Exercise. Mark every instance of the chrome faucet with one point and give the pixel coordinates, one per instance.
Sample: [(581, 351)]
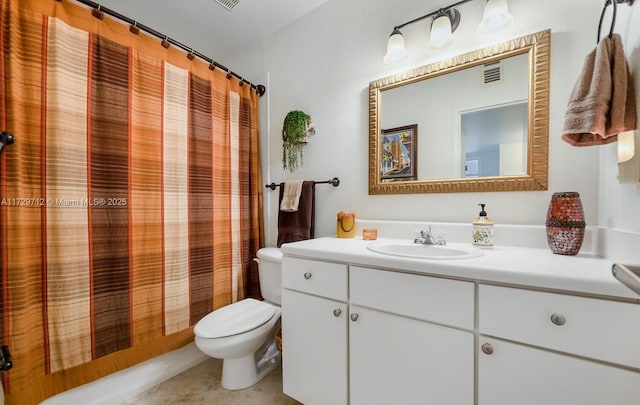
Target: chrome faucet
[(426, 237)]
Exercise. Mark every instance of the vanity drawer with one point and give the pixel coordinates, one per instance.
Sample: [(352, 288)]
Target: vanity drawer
[(432, 299), (596, 328), (315, 277)]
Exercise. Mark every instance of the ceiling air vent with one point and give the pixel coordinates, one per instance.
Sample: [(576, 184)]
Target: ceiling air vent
[(492, 72), (228, 4)]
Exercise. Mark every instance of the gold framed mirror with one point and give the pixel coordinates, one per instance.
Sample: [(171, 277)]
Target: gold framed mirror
[(490, 134)]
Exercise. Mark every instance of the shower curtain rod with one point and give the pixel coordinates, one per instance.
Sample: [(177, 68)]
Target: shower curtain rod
[(98, 9)]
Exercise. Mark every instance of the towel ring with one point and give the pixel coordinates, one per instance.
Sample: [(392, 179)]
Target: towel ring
[(613, 18)]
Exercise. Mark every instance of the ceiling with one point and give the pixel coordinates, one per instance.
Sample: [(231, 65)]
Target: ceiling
[(210, 28)]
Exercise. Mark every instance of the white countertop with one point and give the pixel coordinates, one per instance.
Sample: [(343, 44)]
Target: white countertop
[(530, 267)]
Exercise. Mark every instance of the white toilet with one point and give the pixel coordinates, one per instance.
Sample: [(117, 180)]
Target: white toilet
[(243, 334)]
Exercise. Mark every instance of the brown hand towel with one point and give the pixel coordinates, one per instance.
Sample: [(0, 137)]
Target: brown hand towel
[(602, 103), (623, 113), (298, 225)]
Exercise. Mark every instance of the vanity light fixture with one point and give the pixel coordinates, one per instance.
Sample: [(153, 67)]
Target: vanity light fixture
[(495, 16), (445, 21), (395, 47), (443, 25)]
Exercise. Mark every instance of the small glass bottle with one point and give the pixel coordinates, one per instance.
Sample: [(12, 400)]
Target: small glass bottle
[(483, 229)]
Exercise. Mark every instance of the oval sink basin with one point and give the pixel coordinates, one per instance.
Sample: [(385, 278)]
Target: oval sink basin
[(419, 251)]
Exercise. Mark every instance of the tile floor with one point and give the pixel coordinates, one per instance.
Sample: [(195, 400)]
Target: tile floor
[(200, 385)]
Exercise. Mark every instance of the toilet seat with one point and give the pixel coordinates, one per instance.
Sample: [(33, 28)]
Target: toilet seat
[(234, 319)]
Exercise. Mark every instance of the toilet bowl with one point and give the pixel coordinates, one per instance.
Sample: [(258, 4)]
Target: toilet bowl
[(242, 334)]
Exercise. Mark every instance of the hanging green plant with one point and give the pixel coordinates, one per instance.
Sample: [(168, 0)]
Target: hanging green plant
[(295, 130)]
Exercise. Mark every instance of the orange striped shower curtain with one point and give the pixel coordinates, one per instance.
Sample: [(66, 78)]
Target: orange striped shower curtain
[(130, 202)]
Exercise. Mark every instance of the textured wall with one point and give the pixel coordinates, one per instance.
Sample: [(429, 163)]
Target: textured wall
[(324, 62)]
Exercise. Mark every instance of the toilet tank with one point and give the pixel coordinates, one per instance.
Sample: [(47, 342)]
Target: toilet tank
[(270, 273)]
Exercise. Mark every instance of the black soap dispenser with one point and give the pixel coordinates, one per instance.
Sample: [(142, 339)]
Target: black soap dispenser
[(483, 229)]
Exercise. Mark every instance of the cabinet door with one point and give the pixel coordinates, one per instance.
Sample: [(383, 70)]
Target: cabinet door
[(516, 374), (397, 360), (314, 349)]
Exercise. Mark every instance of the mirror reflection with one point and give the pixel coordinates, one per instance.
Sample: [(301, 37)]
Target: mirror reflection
[(494, 140), (476, 122)]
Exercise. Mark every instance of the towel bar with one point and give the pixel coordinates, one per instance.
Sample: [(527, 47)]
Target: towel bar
[(335, 182), (627, 275)]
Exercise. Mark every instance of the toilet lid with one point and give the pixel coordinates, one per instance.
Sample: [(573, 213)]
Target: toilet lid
[(233, 319)]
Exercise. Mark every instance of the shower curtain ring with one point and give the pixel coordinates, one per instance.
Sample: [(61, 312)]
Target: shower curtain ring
[(97, 13), (134, 28), (165, 42)]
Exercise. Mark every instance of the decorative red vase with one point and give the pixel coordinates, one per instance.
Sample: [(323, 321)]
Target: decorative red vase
[(565, 223)]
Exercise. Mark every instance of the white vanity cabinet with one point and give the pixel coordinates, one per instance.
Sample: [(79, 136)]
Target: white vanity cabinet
[(314, 331), (514, 326), (402, 349), (389, 338), (554, 349)]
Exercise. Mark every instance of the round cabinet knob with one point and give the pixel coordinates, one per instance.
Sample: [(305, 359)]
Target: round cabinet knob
[(558, 319), (337, 312), (307, 276), (487, 348), (354, 317)]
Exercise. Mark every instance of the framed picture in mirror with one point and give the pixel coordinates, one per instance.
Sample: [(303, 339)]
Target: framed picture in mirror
[(398, 160)]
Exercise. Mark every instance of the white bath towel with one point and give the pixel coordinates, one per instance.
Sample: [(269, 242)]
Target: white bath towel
[(291, 196)]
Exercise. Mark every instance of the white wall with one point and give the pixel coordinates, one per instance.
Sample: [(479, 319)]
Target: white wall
[(620, 203), (323, 64)]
